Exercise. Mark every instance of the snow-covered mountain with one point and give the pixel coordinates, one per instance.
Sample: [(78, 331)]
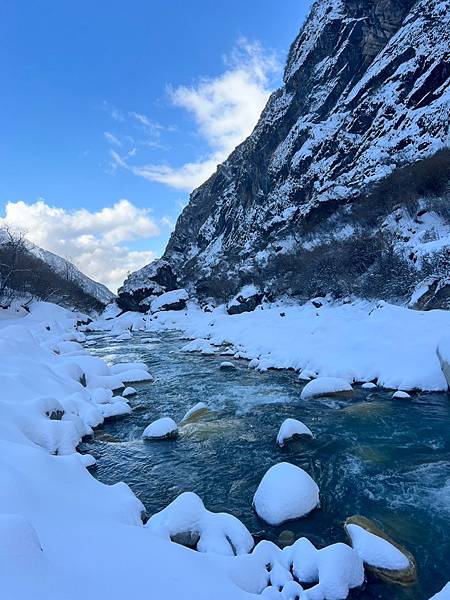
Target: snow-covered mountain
[(65, 268), (353, 146), (28, 270)]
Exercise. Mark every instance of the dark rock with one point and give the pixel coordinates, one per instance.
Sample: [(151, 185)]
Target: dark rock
[(241, 304)]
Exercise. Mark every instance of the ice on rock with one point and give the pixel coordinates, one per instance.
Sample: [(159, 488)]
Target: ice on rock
[(376, 551), (369, 386), (323, 386), (187, 521), (401, 394), (129, 391), (164, 428), (285, 492), (291, 428)]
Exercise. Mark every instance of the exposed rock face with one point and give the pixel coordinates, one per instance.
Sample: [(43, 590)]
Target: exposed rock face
[(365, 96), (141, 287)]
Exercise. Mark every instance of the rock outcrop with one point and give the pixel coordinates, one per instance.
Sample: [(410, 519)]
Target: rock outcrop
[(306, 204)]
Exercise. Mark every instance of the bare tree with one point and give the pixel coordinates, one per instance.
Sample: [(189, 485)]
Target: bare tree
[(12, 250)]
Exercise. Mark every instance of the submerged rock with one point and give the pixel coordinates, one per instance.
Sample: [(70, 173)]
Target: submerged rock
[(161, 429), (286, 538), (382, 556)]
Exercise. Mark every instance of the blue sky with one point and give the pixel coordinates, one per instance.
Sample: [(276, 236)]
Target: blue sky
[(113, 111)]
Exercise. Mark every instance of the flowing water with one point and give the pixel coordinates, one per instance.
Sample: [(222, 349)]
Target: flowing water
[(388, 460)]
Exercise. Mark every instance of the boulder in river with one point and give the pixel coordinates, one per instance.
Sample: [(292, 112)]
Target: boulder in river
[(194, 413), (161, 429), (326, 386), (226, 365), (285, 492), (291, 428), (382, 556)]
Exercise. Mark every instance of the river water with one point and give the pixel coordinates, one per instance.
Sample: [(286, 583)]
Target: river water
[(388, 460)]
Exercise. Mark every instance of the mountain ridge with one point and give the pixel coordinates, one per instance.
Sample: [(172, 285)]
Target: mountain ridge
[(365, 94)]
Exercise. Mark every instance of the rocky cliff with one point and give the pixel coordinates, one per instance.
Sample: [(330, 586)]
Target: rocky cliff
[(343, 185)]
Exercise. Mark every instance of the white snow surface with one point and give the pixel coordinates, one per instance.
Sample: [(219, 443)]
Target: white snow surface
[(361, 341), (160, 428), (291, 427), (63, 534), (376, 551), (323, 386), (217, 533), (285, 492)]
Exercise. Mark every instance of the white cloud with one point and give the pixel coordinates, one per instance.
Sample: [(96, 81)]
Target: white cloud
[(112, 139), (94, 241), (225, 110)]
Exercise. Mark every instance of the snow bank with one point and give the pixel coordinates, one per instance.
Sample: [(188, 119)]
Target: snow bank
[(290, 428), (164, 428), (63, 534), (188, 521), (285, 492), (360, 341), (322, 386)]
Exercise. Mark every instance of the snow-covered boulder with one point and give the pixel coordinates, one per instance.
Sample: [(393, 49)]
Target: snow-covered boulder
[(335, 569), (246, 300), (325, 386), (285, 492), (381, 555), (291, 428), (369, 385), (164, 428), (187, 521), (401, 394), (174, 300), (194, 413), (129, 391), (226, 365)]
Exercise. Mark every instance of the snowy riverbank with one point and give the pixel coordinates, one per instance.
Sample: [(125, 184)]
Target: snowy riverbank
[(64, 535), (361, 341)]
